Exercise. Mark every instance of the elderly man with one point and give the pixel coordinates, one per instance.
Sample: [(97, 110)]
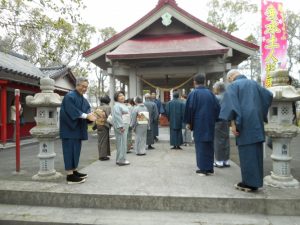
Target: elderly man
[(153, 115), (246, 104), (74, 113)]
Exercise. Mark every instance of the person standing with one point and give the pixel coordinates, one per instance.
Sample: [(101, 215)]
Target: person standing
[(175, 114), (130, 104), (160, 111), (121, 121), (139, 124), (187, 133), (246, 104), (221, 141), (75, 111), (13, 116), (103, 128), (153, 115), (201, 112)]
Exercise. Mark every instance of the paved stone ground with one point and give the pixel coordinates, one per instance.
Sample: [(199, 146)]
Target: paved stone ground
[(153, 181), (30, 163)]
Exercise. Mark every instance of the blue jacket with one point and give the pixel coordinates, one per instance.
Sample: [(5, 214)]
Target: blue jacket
[(70, 124), (246, 102), (201, 112)]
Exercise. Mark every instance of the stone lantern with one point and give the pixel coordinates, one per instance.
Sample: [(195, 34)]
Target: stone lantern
[(281, 130), (46, 130)]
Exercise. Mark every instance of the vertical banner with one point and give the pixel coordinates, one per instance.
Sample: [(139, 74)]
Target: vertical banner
[(274, 39)]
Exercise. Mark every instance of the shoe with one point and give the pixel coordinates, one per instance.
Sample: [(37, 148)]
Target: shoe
[(141, 154), (201, 173), (218, 165), (150, 147), (81, 175), (155, 139), (178, 147), (73, 179), (173, 147), (129, 151), (104, 158), (243, 187), (210, 172), (125, 163)]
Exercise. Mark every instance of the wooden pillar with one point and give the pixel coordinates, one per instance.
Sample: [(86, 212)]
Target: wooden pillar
[(3, 84)]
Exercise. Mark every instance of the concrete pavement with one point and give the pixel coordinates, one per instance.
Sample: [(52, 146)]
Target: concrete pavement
[(159, 186)]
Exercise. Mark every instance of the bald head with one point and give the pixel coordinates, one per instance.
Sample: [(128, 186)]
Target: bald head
[(232, 74)]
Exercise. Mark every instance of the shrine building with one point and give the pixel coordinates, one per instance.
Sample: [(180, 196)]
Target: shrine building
[(165, 49), (16, 72)]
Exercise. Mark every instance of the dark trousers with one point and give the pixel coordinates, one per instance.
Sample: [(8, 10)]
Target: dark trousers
[(251, 163), (205, 155), (71, 151)]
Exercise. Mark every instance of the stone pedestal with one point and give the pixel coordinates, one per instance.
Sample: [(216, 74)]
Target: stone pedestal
[(281, 130), (281, 138), (46, 129)]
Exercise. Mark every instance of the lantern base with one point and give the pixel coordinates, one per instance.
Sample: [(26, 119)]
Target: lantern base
[(51, 176), (281, 182)]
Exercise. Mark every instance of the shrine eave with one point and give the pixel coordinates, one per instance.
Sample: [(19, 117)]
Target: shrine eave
[(183, 45), (92, 53)]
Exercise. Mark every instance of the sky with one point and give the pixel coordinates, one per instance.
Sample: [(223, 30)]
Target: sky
[(120, 14)]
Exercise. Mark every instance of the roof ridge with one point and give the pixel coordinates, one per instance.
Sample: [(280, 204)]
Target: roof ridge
[(162, 2)]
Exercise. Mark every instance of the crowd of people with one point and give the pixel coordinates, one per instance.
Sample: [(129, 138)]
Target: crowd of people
[(206, 114)]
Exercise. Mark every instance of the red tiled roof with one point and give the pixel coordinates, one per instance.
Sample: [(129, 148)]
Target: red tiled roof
[(173, 4), (167, 46)]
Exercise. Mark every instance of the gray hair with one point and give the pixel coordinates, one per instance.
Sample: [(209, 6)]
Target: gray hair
[(147, 96), (80, 80), (232, 72), (220, 86), (138, 100)]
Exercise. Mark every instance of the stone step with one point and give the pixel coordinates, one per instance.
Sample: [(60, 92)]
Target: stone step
[(248, 204), (33, 215)]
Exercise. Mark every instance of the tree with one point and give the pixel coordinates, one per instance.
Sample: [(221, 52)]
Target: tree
[(228, 15), (293, 30), (98, 87), (47, 40)]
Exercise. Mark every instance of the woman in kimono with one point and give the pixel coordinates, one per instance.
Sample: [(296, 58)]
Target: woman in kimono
[(121, 120), (221, 140), (130, 104), (103, 128), (140, 124)]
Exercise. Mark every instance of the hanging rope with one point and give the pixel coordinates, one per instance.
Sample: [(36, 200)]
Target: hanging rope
[(167, 89)]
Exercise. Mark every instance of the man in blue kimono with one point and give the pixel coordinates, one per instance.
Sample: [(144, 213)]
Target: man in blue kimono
[(153, 115), (74, 113), (246, 105), (201, 112), (160, 110), (175, 114)]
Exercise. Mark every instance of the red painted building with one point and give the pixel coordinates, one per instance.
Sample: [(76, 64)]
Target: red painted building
[(17, 73)]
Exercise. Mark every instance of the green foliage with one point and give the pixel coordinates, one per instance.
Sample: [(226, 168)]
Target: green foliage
[(227, 15), (49, 32), (293, 30), (107, 33)]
